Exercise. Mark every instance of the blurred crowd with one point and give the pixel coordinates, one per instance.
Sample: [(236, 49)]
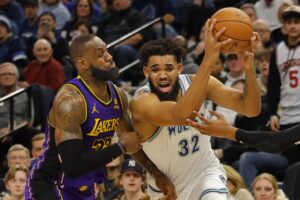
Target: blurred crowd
[(35, 36)]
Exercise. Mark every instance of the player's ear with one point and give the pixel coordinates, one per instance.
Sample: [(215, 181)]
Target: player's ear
[(146, 71), (81, 63), (179, 68)]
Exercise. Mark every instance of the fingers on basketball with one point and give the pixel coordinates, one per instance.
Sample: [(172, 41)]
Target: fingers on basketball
[(238, 28)]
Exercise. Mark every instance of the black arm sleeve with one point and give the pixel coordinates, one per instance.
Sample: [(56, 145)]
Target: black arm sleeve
[(274, 83), (75, 161), (268, 141)]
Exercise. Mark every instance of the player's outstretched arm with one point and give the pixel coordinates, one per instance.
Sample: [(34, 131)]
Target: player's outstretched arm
[(148, 107), (267, 141), (247, 102), (67, 114)]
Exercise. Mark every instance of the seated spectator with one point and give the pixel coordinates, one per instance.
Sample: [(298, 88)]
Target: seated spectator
[(29, 24), (83, 12), (36, 146), (12, 48), (250, 10), (17, 154), (121, 20), (13, 11), (133, 181), (9, 83), (15, 181), (265, 187), (236, 185), (60, 12), (110, 189), (44, 70), (153, 9), (46, 30), (188, 64), (262, 27)]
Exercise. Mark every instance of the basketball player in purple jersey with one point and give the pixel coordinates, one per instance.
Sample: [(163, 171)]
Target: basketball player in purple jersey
[(81, 123)]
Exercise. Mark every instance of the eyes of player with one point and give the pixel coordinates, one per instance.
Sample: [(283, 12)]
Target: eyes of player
[(167, 68)]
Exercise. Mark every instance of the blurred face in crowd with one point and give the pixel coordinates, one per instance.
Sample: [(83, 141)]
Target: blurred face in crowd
[(18, 157), (47, 19), (16, 185), (31, 11), (263, 65), (234, 65), (83, 8), (264, 190), (8, 76), (37, 147), (3, 31), (119, 5), (42, 50), (263, 29), (250, 12), (131, 181), (292, 27)]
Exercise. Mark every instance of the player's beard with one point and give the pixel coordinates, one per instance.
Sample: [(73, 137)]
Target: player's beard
[(103, 75), (171, 96)]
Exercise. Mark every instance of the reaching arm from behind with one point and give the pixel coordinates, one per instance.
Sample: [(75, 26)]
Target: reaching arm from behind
[(267, 141)]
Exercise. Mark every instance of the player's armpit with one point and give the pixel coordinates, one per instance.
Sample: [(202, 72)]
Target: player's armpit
[(67, 114)]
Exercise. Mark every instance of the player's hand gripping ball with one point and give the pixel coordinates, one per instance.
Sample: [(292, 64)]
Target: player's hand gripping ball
[(238, 27)]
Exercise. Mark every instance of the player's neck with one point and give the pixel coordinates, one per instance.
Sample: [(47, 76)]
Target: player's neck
[(98, 87)]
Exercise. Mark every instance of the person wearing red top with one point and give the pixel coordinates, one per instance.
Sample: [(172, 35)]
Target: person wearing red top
[(44, 70)]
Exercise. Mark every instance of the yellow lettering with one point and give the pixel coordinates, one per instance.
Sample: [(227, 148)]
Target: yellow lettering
[(92, 133), (103, 126)]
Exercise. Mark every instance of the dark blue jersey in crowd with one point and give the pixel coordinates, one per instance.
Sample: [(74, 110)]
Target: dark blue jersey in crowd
[(98, 129)]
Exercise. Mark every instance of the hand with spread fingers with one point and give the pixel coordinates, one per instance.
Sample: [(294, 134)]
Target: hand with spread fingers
[(214, 127), (212, 43)]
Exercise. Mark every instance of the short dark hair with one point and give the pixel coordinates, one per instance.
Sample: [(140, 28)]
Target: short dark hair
[(160, 47), (78, 44)]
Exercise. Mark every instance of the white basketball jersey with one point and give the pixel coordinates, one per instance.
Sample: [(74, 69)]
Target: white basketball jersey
[(288, 62), (180, 152)]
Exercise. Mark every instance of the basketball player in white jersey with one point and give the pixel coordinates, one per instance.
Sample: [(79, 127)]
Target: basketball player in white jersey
[(159, 111)]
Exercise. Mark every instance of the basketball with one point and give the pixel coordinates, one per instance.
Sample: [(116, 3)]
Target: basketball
[(238, 27)]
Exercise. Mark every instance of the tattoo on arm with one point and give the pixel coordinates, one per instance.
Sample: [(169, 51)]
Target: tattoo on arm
[(67, 114)]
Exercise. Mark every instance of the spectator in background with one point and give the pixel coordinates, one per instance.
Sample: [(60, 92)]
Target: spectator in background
[(196, 16), (12, 10), (268, 10), (236, 186), (262, 27), (9, 83), (61, 13), (133, 181), (29, 24), (188, 64), (153, 9), (46, 30), (249, 9), (44, 70), (121, 20), (83, 12), (36, 146), (18, 154), (12, 48), (279, 34), (15, 181), (265, 187)]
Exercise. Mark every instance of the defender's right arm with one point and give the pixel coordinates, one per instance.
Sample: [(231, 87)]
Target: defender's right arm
[(67, 114)]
